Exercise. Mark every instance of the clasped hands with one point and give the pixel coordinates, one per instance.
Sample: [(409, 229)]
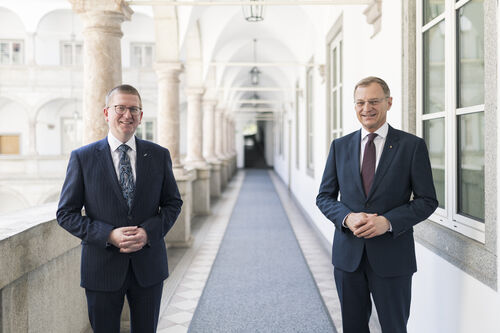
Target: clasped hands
[(128, 239), (364, 225)]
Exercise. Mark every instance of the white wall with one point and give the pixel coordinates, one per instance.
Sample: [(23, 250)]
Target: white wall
[(445, 299)]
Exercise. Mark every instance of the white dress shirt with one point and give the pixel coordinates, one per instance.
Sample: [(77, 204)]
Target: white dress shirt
[(379, 142), (114, 143)]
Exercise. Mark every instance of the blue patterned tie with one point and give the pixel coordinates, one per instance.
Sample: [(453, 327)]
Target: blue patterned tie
[(126, 176)]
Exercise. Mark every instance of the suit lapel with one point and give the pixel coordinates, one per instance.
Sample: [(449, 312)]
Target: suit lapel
[(353, 160), (143, 163), (390, 149), (103, 153)]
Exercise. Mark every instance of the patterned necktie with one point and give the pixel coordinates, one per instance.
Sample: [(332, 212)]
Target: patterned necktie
[(126, 176), (368, 167)]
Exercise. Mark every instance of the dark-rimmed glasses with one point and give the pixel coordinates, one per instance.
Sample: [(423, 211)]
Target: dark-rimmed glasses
[(121, 109)]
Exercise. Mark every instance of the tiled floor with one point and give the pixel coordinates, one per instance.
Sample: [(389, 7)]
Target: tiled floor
[(176, 314), (192, 271)]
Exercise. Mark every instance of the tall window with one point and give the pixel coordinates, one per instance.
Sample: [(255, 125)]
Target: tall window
[(335, 88), (310, 119), (450, 108), (142, 55), (146, 130), (11, 52), (71, 53)]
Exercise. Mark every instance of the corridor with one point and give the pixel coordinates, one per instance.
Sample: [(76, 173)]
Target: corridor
[(257, 265)]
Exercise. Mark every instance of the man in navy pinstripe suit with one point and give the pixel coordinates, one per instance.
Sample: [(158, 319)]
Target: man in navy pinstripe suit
[(131, 201)]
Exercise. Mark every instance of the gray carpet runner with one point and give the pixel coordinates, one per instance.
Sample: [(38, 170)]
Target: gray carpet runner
[(260, 281)]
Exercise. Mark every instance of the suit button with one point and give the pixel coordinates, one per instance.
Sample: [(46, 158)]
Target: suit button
[(367, 205), (129, 218)]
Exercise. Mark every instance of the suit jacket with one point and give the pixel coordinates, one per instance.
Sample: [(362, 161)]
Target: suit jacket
[(404, 170), (91, 182)]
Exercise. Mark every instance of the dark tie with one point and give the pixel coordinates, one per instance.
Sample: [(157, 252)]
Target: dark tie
[(126, 176), (368, 167)]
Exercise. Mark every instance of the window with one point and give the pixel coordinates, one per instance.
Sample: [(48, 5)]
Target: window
[(451, 106), (9, 144), (310, 120), (146, 130), (11, 52), (71, 53), (335, 89), (142, 55)]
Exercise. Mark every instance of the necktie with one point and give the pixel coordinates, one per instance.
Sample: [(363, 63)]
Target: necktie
[(368, 167), (126, 176)]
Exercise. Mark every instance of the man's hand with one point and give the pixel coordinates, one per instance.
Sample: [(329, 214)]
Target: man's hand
[(128, 239), (367, 225)]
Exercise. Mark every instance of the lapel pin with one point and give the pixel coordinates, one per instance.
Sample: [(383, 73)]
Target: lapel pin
[(390, 146), (145, 155)]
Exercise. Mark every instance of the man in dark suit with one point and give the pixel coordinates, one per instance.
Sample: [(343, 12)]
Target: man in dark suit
[(384, 179), (131, 201)]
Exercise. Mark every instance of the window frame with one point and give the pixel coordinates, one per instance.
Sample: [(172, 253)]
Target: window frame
[(22, 53), (142, 131), (73, 44), (447, 216), (141, 63), (310, 119)]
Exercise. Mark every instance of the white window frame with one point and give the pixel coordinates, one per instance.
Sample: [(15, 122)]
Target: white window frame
[(76, 59), (21, 56), (143, 129), (142, 63), (448, 217), (310, 119), (335, 84), (297, 126)]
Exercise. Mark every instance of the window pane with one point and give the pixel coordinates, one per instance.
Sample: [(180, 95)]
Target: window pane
[(148, 58), (434, 138), (471, 165), (136, 58), (432, 8), (149, 130), (17, 53), (78, 54), (340, 62), (66, 54), (4, 53), (334, 67), (470, 48), (138, 132), (433, 67)]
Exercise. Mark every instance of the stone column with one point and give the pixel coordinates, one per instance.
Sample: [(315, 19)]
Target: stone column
[(194, 127), (194, 159), (209, 146), (168, 118), (168, 129), (102, 66)]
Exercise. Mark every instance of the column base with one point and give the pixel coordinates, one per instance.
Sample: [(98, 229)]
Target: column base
[(201, 189), (215, 179), (180, 234)]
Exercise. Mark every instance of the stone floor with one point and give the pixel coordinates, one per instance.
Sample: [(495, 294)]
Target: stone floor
[(191, 267)]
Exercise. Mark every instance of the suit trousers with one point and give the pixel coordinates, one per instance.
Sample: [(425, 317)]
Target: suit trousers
[(105, 308), (391, 295)]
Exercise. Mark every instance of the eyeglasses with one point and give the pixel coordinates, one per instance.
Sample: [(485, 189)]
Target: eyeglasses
[(371, 102), (121, 109)]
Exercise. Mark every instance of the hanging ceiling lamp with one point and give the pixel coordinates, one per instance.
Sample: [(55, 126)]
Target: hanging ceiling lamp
[(254, 72), (253, 13)]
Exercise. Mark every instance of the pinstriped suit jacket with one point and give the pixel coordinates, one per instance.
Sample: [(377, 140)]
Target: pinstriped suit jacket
[(91, 182)]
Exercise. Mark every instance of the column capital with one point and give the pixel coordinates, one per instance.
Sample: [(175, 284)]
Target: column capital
[(113, 6), (169, 70), (194, 91)]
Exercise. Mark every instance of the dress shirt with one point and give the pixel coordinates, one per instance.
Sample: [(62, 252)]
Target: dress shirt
[(379, 142), (114, 143)]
